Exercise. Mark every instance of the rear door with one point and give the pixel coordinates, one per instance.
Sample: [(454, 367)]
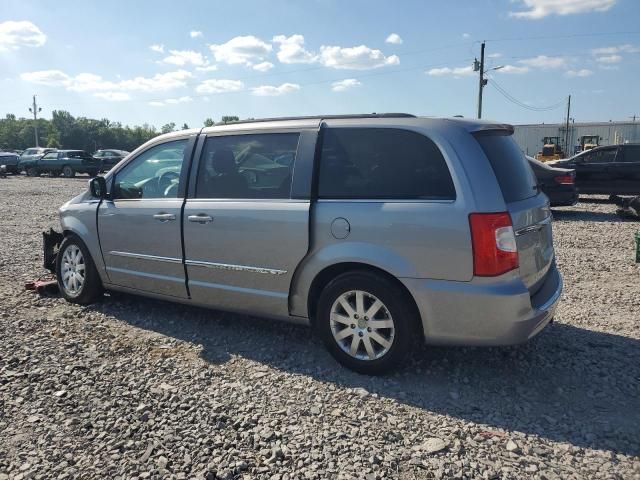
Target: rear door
[(528, 207), (139, 227), (626, 170), (593, 170), (246, 220)]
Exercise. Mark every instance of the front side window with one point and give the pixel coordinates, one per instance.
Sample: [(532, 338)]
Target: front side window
[(155, 173), (382, 163), (631, 154), (247, 166), (606, 155)]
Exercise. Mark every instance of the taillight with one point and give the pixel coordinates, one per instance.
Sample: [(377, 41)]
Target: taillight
[(564, 179), (494, 244)]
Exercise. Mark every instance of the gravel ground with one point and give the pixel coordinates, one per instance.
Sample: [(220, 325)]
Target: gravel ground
[(136, 388)]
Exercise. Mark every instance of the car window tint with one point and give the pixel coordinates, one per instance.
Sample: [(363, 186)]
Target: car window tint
[(247, 166), (155, 173), (515, 177), (631, 154), (382, 163), (604, 155)]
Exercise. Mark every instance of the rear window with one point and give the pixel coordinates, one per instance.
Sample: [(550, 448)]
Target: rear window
[(515, 177), (382, 163)]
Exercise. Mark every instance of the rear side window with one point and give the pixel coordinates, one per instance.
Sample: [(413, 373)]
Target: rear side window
[(631, 154), (382, 163), (515, 177)]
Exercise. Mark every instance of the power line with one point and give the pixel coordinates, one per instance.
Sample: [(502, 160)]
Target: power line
[(515, 101)]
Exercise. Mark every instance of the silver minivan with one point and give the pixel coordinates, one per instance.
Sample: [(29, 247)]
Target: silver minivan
[(377, 230)]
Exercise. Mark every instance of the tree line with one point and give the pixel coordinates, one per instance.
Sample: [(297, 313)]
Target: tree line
[(64, 130)]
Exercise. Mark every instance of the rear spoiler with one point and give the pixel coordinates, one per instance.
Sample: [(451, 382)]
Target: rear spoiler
[(493, 129)]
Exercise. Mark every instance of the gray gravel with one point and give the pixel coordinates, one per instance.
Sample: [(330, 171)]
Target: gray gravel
[(136, 388)]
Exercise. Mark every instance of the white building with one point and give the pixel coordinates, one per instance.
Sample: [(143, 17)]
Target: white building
[(530, 137)]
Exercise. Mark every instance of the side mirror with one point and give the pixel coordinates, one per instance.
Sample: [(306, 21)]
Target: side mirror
[(98, 187)]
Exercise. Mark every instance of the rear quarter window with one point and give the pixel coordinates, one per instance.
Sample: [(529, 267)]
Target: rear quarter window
[(382, 163), (515, 177)]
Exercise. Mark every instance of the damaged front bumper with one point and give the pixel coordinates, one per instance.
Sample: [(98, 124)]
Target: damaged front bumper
[(51, 241)]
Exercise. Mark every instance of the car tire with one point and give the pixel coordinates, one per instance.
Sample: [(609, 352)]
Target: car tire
[(68, 172), (378, 348), (77, 276), (32, 172)]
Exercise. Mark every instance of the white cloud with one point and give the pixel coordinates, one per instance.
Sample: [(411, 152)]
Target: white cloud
[(263, 67), (466, 35), (195, 34), (291, 49), (185, 57), (157, 48), (89, 82), (345, 84), (513, 69), (626, 48), (394, 39), (113, 96), (584, 72), (272, 91), (543, 62), (243, 50), (50, 78), (207, 68), (494, 55), (456, 72), (355, 58), (609, 67), (537, 9), (219, 86), (14, 35), (609, 59), (170, 101)]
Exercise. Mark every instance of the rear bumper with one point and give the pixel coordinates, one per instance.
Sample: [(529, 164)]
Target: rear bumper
[(483, 312), (563, 197)]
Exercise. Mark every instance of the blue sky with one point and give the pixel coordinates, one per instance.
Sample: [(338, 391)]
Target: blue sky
[(158, 62)]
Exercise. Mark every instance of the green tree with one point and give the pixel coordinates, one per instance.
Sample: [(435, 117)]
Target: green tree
[(185, 126), (169, 127), (229, 118), (209, 122)]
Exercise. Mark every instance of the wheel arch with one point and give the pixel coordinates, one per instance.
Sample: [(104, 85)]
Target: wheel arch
[(322, 279)]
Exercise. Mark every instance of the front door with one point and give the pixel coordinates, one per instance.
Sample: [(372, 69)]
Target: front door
[(244, 234), (626, 170), (139, 226), (593, 173)]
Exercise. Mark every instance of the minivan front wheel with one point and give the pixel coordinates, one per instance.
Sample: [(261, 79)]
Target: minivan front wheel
[(366, 322), (78, 279)]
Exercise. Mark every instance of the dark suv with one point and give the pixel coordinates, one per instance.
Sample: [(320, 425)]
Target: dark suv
[(610, 170)]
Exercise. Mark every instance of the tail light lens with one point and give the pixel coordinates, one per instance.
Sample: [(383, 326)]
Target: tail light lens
[(564, 179), (494, 244)]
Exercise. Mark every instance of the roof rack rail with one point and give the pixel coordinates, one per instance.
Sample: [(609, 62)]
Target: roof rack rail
[(325, 117)]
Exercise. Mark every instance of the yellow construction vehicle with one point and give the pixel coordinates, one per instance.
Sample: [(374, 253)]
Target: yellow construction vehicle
[(587, 142), (551, 150)]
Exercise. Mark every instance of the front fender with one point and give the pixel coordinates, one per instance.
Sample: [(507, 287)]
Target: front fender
[(80, 219)]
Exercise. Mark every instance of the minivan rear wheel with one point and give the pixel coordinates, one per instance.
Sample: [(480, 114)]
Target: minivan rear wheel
[(68, 172), (366, 322)]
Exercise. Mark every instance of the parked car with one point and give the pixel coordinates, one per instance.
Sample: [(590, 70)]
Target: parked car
[(10, 160), (557, 183), (31, 154), (65, 162), (109, 158), (388, 229), (608, 170)]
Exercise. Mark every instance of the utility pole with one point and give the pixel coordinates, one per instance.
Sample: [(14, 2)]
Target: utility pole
[(35, 110), (479, 67), (566, 133)]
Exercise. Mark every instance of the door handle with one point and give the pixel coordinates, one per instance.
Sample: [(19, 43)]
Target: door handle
[(200, 218), (164, 217)]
